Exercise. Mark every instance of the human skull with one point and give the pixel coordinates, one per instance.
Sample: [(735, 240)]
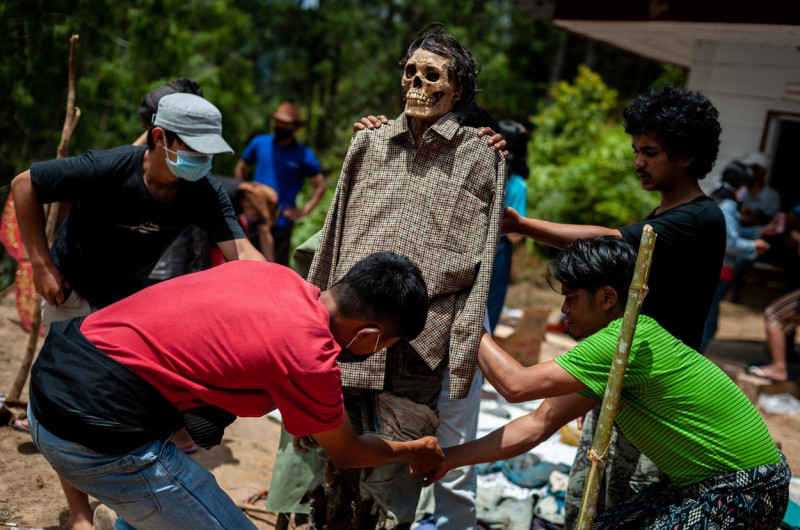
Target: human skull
[(430, 93)]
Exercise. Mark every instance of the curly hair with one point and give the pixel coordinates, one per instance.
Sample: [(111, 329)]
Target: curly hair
[(686, 121), (593, 263), (463, 66)]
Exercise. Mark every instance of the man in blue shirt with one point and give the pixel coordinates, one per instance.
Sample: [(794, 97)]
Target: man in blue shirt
[(283, 163)]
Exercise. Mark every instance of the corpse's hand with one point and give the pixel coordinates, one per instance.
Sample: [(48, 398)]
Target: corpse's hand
[(426, 456), (303, 444)]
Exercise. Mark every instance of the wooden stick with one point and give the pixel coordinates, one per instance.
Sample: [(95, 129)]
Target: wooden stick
[(608, 410), (70, 122), (73, 113)]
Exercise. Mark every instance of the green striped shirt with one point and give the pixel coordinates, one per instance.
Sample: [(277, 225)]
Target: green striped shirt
[(677, 407)]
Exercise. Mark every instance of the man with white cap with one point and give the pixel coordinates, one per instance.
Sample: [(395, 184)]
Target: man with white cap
[(760, 202), (128, 204), (283, 164)]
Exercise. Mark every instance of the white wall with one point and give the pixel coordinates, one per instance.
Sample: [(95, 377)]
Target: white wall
[(744, 81)]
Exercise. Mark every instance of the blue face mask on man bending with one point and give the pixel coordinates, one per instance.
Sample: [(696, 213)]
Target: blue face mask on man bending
[(189, 166)]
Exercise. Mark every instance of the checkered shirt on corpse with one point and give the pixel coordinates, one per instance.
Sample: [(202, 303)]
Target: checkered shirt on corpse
[(440, 204)]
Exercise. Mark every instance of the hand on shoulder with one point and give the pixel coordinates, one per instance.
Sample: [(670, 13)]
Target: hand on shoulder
[(370, 122)]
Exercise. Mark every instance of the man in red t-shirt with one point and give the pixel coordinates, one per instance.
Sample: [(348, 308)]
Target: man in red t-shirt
[(108, 390)]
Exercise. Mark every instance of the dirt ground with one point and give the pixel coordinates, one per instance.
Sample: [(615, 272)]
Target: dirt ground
[(30, 496)]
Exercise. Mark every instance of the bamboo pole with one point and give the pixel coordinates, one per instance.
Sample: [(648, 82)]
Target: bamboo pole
[(70, 122), (608, 410)]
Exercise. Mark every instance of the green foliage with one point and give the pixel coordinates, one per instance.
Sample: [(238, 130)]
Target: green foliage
[(339, 59), (123, 52), (581, 161), (671, 75), (308, 226), (578, 113)]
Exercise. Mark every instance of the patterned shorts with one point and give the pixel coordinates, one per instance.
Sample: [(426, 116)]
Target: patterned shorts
[(751, 499), (785, 312)]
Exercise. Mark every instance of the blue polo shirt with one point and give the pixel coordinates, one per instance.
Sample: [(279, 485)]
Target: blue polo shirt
[(282, 168)]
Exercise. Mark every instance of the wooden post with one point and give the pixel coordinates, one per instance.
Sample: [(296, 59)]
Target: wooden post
[(70, 122), (608, 410)]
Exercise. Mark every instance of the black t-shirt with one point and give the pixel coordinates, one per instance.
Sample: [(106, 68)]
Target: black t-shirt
[(81, 394), (116, 231), (687, 261)]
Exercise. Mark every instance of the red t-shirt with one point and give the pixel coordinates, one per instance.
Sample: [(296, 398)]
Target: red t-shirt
[(246, 336)]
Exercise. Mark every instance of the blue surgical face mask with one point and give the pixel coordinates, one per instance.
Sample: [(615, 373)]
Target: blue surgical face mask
[(190, 166)]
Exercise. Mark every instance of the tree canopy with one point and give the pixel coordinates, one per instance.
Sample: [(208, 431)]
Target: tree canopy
[(581, 159), (339, 59)]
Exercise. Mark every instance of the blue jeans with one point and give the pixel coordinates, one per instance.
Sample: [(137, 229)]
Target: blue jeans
[(155, 486)]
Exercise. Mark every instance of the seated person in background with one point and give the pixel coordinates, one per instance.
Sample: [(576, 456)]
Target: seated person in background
[(760, 202), (781, 319), (742, 245), (671, 403), (782, 316), (108, 390)]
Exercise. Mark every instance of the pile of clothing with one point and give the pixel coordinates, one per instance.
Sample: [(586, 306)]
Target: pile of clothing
[(522, 493), (528, 491)]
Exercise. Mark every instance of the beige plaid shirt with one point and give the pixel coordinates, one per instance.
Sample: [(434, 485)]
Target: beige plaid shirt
[(440, 204)]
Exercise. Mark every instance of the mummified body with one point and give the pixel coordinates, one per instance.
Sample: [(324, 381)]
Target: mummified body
[(425, 187)]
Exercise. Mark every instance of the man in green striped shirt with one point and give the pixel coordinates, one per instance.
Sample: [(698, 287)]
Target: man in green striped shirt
[(676, 406)]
